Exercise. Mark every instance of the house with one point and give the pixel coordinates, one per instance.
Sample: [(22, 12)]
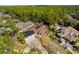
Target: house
[(68, 33), (41, 30), (35, 44), (1, 13), (4, 15), (24, 26), (72, 20), (15, 20)]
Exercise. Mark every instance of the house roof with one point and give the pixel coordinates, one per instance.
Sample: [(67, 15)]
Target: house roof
[(68, 33), (41, 29), (4, 15), (72, 19), (1, 13), (15, 20), (24, 25)]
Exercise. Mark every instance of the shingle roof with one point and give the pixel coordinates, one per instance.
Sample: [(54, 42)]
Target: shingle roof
[(68, 33), (23, 25), (42, 29)]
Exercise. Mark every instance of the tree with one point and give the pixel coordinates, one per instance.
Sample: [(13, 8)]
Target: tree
[(21, 37), (6, 44)]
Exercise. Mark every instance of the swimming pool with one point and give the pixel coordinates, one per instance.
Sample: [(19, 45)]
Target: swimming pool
[(28, 33)]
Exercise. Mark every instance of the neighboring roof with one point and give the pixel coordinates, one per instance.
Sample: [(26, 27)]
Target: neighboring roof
[(70, 19), (68, 33), (1, 13), (34, 43), (4, 15), (15, 20), (24, 25)]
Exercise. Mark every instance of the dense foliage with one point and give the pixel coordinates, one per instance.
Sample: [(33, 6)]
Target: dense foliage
[(47, 14)]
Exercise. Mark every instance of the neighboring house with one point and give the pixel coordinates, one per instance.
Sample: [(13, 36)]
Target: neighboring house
[(35, 44), (41, 30), (24, 26), (72, 20), (68, 33), (4, 15), (1, 13), (15, 20)]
